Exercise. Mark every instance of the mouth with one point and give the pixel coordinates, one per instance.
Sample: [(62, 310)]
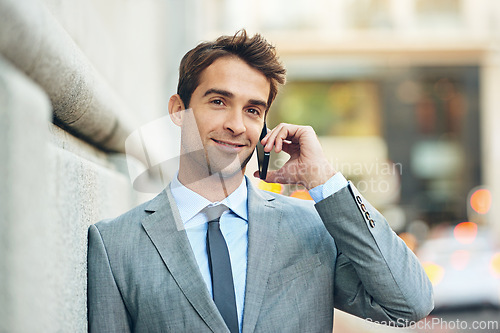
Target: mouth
[(228, 144)]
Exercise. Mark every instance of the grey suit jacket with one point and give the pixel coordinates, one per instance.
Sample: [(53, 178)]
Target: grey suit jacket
[(303, 260)]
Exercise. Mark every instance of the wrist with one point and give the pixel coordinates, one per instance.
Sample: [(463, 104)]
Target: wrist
[(320, 178)]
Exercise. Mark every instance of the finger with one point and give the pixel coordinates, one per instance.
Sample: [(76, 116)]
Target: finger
[(274, 177), (269, 176), (281, 176), (256, 174), (281, 138), (265, 138), (279, 133), (272, 137)]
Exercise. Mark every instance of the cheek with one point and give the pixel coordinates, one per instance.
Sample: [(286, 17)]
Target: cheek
[(202, 122), (208, 120), (189, 124), (254, 133)]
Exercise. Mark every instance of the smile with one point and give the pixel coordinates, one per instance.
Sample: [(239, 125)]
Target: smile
[(228, 144)]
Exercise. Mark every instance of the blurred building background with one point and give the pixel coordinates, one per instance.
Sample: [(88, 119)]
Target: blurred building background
[(407, 84), (403, 94)]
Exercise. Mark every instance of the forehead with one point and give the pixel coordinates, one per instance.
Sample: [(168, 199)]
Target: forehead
[(235, 75)]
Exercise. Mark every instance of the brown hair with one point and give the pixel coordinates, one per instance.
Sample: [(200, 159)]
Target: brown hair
[(255, 51)]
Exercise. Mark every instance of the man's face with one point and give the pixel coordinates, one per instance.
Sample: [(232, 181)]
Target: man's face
[(228, 110)]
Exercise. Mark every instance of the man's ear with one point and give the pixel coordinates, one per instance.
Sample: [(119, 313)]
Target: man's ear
[(176, 109)]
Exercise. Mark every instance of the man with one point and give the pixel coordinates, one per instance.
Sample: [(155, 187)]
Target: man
[(283, 263)]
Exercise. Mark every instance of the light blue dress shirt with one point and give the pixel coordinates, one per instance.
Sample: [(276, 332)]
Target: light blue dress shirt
[(334, 184), (234, 228)]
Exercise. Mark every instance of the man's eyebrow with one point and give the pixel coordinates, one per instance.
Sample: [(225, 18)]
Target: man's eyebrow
[(258, 102), (218, 92), (229, 94)]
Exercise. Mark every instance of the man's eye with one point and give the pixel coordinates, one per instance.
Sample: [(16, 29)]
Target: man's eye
[(253, 111), (217, 102)]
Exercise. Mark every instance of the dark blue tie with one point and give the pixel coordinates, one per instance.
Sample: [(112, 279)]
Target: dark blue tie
[(220, 268)]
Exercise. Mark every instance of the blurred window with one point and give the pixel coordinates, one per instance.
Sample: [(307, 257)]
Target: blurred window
[(435, 14), (290, 15), (432, 126), (368, 14), (332, 108)]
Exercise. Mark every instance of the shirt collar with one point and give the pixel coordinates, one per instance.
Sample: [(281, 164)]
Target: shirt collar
[(191, 203)]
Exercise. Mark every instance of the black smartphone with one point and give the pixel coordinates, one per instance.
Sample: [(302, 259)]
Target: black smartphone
[(262, 156)]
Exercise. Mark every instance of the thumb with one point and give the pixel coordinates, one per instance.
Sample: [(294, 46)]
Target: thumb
[(271, 176), (277, 176)]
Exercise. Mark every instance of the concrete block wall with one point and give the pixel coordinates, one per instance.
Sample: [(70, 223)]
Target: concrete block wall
[(53, 185), (125, 40), (25, 286)]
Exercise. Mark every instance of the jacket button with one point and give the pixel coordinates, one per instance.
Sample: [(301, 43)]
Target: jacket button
[(363, 207), (372, 223), (367, 214), (358, 199)]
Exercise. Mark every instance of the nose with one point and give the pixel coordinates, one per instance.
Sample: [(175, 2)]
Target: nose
[(234, 123)]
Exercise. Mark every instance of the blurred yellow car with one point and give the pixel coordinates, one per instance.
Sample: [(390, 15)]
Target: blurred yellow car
[(463, 264)]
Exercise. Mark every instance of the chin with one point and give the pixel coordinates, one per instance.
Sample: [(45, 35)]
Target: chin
[(228, 171), (225, 164)]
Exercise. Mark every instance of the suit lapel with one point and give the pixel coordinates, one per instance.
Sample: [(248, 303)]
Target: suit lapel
[(264, 215), (165, 229)]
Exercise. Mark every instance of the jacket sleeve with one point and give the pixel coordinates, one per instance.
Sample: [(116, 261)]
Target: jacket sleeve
[(376, 276), (106, 310)]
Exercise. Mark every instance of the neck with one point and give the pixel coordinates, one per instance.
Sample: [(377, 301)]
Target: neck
[(213, 187)]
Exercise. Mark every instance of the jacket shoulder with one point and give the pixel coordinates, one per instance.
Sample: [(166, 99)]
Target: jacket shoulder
[(132, 217), (292, 203)]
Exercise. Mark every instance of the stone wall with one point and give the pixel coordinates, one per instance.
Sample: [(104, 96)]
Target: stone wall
[(97, 59)]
